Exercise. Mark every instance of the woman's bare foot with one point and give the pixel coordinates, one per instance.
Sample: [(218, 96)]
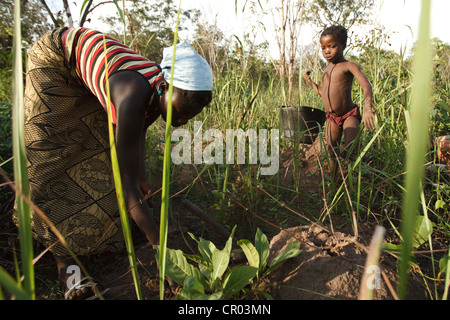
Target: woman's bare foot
[(83, 289)]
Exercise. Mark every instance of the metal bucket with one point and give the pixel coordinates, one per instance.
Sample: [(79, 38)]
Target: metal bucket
[(303, 122)]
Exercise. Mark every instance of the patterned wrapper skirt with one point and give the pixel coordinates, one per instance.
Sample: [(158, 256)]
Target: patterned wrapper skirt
[(69, 165)]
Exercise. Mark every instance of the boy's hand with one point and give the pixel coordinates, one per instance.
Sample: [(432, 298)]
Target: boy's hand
[(367, 119), (306, 74)]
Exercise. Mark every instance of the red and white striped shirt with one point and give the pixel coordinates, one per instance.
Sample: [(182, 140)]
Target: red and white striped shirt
[(84, 50)]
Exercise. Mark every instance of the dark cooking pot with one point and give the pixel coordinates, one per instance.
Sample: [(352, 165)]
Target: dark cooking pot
[(304, 121)]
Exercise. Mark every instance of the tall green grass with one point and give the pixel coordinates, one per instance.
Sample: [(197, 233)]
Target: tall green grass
[(418, 139), (119, 191), (165, 193), (20, 174)]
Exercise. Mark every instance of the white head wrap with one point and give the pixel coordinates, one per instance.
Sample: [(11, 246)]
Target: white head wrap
[(191, 73)]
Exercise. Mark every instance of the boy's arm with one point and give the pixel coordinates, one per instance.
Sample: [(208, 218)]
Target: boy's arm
[(368, 115), (315, 86)]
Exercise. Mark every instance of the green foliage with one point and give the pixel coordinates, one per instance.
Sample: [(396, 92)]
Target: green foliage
[(5, 132), (20, 164), (423, 228), (343, 12), (148, 31), (417, 140), (258, 254), (214, 279), (33, 22), (444, 267)]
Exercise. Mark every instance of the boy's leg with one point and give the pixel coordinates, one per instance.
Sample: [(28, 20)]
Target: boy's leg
[(351, 130), (333, 135)]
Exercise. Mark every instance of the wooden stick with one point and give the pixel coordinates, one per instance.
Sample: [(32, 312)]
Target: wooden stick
[(210, 222)]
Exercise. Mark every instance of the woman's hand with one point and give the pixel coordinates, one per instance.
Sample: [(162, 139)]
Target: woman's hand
[(147, 191)]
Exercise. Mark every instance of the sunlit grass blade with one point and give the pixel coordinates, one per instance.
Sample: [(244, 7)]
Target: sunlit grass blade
[(367, 285), (12, 286), (418, 140), (165, 193), (20, 160), (119, 191), (447, 277)]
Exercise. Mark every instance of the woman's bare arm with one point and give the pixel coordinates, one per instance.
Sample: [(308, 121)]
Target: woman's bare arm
[(130, 94)]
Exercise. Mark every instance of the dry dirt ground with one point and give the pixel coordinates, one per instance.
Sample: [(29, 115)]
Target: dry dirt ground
[(329, 266)]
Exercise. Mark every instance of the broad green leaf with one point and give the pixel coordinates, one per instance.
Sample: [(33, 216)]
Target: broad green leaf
[(263, 247), (205, 247), (204, 265), (206, 271), (440, 204), (422, 231), (250, 252), (443, 263), (177, 267), (220, 260), (198, 259), (392, 247), (292, 250), (229, 243), (191, 294), (237, 279), (192, 283), (216, 295)]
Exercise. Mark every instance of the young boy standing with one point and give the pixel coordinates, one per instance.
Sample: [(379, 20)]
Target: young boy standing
[(336, 92)]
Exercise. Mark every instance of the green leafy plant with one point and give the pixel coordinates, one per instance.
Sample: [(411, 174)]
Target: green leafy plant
[(423, 228), (258, 257), (21, 177), (213, 279), (444, 267)]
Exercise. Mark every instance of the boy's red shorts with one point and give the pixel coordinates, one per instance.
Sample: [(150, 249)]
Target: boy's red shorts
[(339, 121)]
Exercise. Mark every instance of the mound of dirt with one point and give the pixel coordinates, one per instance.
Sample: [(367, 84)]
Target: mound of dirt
[(308, 159), (329, 267)]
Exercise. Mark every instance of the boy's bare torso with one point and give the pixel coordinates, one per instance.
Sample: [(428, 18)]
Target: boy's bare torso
[(336, 88)]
